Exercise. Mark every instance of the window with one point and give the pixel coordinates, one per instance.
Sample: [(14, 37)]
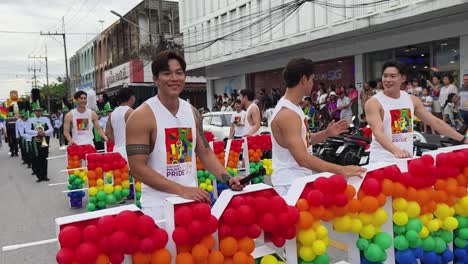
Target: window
[(374, 63), (447, 57), (216, 121), (227, 120)]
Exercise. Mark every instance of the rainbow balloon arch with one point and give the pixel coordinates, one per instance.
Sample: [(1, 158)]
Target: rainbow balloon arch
[(412, 212)]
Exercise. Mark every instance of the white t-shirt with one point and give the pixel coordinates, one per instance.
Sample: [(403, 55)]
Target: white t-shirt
[(444, 93), (427, 101), (346, 113), (268, 115), (323, 100), (239, 120)]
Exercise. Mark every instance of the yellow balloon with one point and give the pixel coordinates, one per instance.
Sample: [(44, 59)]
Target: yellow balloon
[(433, 225), (380, 217), (92, 191), (126, 184), (269, 259), (424, 232), (108, 174), (368, 232), (208, 181), (342, 224), (138, 186), (443, 211), (464, 202), (108, 188), (99, 182), (450, 223), (305, 253), (426, 218), (413, 210), (209, 188), (321, 231), (118, 188), (356, 226), (400, 218), (203, 186), (400, 204), (365, 218), (307, 237), (319, 247), (77, 173)]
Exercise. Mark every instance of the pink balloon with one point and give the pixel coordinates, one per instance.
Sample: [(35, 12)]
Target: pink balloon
[(147, 245)]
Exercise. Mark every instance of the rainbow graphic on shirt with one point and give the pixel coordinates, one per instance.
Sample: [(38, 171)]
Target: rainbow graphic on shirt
[(82, 124), (402, 125), (179, 151)]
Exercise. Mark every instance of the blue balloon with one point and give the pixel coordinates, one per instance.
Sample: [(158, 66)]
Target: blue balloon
[(459, 253), (418, 252), (430, 258), (465, 259), (447, 256), (405, 256), (365, 261)]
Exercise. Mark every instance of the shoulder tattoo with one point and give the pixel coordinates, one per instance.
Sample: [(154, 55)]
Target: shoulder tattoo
[(200, 128), (138, 149)]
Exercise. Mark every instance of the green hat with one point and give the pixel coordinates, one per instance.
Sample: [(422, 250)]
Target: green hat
[(45, 113), (10, 114), (107, 108), (23, 113), (32, 115)]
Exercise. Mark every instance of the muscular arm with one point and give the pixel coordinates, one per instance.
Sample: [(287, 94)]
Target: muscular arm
[(439, 125), (66, 128), (374, 119), (110, 129), (255, 118), (98, 127)]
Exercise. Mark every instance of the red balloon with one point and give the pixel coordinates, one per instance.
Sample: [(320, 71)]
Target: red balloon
[(278, 205), (328, 200), (229, 216), (196, 228), (201, 211), (86, 253), (224, 231), (268, 222), (65, 256), (247, 214), (315, 198), (262, 205), (278, 241), (341, 199), (91, 233), (181, 236), (116, 258), (160, 238), (338, 183), (239, 231), (250, 201), (293, 215), (133, 245), (69, 237), (283, 220), (212, 225), (127, 221), (371, 187), (118, 241), (147, 245), (104, 245), (146, 226), (237, 201), (254, 231), (290, 233), (323, 184), (107, 224), (183, 216)]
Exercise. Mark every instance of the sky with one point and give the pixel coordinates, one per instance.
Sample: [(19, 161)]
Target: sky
[(33, 16)]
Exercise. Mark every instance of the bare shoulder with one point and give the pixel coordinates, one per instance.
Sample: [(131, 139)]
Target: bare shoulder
[(372, 104), (69, 115), (286, 118), (142, 117)]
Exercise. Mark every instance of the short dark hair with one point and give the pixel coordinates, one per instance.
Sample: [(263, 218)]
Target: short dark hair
[(450, 77), (79, 94), (161, 62), (372, 84), (125, 94), (249, 93), (308, 99), (395, 64), (237, 101), (296, 69)]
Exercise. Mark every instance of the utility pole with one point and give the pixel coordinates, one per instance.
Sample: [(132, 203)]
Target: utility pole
[(34, 70), (47, 75), (67, 79)]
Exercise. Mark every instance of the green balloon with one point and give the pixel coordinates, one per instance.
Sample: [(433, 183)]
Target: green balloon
[(428, 243), (77, 181), (383, 240), (200, 174), (373, 253), (460, 243), (463, 233), (206, 174), (138, 195), (416, 243), (101, 196), (93, 199), (125, 192), (212, 177), (252, 165), (399, 230), (101, 204), (91, 207), (362, 244), (109, 180), (446, 235), (70, 187), (440, 245), (80, 186), (118, 195), (138, 203), (411, 236), (414, 224), (462, 221), (401, 243), (110, 199), (322, 259), (72, 178)]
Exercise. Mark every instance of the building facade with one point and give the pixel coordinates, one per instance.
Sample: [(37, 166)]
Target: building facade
[(74, 73), (245, 43), (87, 63)]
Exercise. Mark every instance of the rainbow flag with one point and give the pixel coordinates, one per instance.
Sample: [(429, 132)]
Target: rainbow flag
[(3, 113)]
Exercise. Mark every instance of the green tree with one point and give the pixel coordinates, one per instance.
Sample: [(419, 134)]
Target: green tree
[(55, 92)]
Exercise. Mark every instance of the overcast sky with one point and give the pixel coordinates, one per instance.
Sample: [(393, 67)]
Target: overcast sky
[(81, 16)]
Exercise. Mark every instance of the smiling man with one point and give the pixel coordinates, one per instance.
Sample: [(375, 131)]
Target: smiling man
[(164, 138), (390, 114)]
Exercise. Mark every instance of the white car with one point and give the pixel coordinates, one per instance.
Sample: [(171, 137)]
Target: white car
[(219, 123)]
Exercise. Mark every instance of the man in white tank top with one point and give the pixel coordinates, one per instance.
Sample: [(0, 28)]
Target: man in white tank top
[(390, 115), (252, 124), (164, 136), (81, 121), (290, 136), (115, 129)]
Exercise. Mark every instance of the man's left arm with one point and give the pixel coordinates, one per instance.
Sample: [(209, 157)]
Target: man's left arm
[(439, 125), (255, 115), (209, 159), (98, 126)]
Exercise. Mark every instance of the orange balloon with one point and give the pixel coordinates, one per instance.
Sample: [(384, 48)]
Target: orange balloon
[(354, 206), (184, 249), (461, 191), (361, 194), (423, 196), (247, 245), (432, 206), (161, 256), (439, 185), (102, 259), (240, 258), (462, 180), (382, 199), (228, 260), (306, 220), (91, 175), (327, 215), (451, 200), (369, 204), (117, 173), (387, 187), (350, 191), (184, 258), (251, 260), (124, 176), (302, 204), (200, 253), (92, 183), (216, 257), (411, 194), (317, 211), (141, 258), (228, 246), (399, 190), (451, 186), (208, 242), (340, 211), (440, 196)]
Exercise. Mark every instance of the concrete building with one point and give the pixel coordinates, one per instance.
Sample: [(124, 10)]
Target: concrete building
[(87, 63), (245, 43), (74, 73)]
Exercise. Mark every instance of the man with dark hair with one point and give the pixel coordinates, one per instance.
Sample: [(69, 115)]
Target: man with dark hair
[(390, 115), (253, 120), (291, 141), (115, 129), (81, 121), (464, 100), (237, 121), (164, 137)]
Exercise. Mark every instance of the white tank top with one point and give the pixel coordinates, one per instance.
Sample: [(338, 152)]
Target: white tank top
[(82, 127), (173, 154), (397, 124), (118, 126), (247, 126), (285, 167)]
